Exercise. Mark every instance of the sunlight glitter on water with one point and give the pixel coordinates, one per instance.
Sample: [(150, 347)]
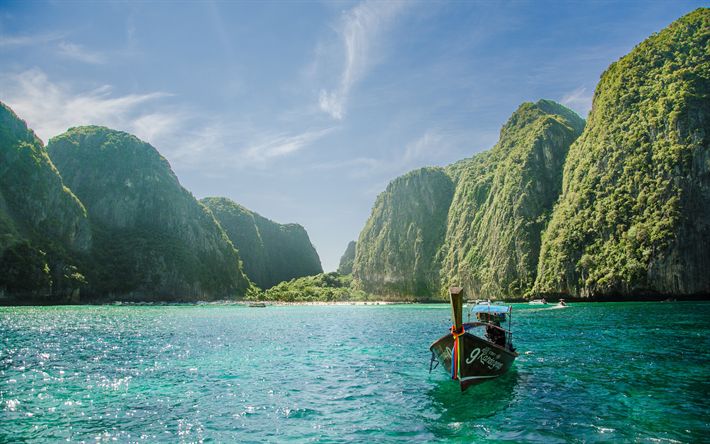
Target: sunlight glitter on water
[(597, 372)]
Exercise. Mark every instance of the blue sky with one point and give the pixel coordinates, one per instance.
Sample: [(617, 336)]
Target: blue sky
[(304, 111)]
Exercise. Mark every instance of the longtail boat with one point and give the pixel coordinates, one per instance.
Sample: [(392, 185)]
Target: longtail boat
[(475, 352)]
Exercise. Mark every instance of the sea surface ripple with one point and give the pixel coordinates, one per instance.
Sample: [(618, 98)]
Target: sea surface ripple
[(595, 372)]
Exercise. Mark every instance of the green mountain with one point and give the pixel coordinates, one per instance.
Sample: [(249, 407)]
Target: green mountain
[(43, 226), (347, 259), (271, 252), (478, 222), (397, 250), (634, 215), (503, 201), (622, 209), (152, 240)]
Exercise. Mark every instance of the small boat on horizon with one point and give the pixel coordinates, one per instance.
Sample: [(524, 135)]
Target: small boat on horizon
[(256, 305), (475, 352), (538, 302)]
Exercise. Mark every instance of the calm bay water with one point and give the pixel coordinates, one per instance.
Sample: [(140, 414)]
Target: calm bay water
[(592, 372)]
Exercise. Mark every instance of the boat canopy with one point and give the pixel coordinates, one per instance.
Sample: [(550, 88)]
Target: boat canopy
[(485, 308)]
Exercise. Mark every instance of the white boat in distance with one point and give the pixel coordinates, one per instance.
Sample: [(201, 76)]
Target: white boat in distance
[(538, 302)]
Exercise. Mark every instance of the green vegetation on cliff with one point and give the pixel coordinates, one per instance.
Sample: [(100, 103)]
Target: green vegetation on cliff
[(152, 239), (396, 253), (623, 210), (347, 259), (324, 287), (43, 226), (503, 201), (634, 216), (478, 222), (271, 252)]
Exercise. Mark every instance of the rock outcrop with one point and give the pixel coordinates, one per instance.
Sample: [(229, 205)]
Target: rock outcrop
[(347, 259), (271, 252), (152, 240), (44, 230), (623, 211), (503, 201), (634, 216), (478, 222), (397, 250)]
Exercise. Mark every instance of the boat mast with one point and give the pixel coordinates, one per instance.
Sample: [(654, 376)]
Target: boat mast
[(457, 330), (456, 295)]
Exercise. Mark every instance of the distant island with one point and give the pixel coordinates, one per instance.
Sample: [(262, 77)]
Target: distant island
[(614, 207)]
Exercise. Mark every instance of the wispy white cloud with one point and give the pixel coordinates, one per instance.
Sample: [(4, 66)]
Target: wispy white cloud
[(80, 53), (356, 164), (281, 145), (50, 108), (157, 127), (429, 145), (580, 100), (359, 28), (435, 146), (202, 145), (219, 146), (440, 146), (10, 41), (190, 139)]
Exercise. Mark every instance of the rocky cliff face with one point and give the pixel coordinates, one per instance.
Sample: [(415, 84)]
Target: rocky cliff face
[(271, 252), (43, 226), (477, 223), (503, 201), (347, 259), (152, 239), (397, 250), (634, 216)]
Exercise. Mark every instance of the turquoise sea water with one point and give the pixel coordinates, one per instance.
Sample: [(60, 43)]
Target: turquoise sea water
[(589, 372)]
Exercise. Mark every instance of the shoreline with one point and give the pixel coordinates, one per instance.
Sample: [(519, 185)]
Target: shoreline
[(246, 303)]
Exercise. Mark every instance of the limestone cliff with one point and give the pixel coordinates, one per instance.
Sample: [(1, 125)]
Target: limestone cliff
[(476, 223), (503, 201), (347, 259), (397, 250), (634, 216), (152, 239), (271, 252), (43, 226)]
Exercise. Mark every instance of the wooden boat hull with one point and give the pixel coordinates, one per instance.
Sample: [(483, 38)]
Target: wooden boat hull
[(480, 359)]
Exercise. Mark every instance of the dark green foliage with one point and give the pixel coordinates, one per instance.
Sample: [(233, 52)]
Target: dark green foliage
[(396, 253), (634, 216), (324, 287), (152, 239), (475, 224), (24, 270), (347, 259), (271, 252), (43, 227), (503, 201)]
